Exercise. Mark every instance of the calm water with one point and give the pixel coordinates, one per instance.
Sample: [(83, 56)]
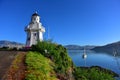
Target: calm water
[(95, 59)]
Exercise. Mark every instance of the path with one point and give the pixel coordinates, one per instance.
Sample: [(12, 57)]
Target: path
[(6, 58)]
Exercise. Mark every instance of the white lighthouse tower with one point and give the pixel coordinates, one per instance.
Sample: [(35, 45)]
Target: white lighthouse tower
[(34, 30)]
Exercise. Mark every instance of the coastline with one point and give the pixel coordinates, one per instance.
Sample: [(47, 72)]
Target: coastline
[(101, 69)]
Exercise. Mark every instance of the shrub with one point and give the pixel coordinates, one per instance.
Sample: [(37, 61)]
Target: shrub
[(92, 74), (57, 53), (63, 63)]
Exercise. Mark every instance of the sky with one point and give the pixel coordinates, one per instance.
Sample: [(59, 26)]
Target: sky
[(81, 22)]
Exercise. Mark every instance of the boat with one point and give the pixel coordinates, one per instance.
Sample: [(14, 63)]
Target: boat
[(84, 56), (114, 53)]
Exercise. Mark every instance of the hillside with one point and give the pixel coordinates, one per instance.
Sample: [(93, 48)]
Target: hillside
[(73, 47), (108, 48), (50, 61), (77, 47), (10, 44)]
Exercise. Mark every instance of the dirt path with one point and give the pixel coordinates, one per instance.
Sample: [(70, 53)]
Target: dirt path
[(17, 68), (6, 57)]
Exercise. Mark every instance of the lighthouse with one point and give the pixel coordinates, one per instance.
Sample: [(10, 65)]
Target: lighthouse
[(34, 30)]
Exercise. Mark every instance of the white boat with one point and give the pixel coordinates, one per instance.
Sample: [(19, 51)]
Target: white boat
[(114, 53), (84, 56)]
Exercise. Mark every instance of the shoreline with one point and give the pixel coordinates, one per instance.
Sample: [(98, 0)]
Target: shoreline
[(102, 69)]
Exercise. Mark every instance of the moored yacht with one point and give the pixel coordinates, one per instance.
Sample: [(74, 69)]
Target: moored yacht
[(84, 56)]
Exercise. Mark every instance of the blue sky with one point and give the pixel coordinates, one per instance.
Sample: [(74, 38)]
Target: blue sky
[(82, 22)]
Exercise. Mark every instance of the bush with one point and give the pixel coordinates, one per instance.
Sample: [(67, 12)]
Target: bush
[(4, 48), (57, 53), (92, 74), (63, 63)]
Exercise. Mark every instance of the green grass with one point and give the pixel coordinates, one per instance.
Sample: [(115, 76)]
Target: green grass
[(39, 67), (63, 65), (58, 55)]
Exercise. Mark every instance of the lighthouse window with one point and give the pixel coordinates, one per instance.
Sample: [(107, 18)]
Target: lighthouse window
[(29, 38), (35, 34)]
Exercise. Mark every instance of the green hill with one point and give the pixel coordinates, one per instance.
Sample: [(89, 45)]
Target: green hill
[(109, 48), (50, 61), (63, 66), (77, 47)]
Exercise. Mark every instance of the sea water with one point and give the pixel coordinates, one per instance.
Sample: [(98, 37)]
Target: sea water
[(105, 60)]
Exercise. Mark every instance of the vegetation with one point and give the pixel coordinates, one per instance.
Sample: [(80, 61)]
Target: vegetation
[(93, 73), (50, 61), (4, 48), (58, 54), (63, 64), (8, 49), (39, 67)]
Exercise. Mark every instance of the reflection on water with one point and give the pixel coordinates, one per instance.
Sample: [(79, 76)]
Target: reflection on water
[(96, 59)]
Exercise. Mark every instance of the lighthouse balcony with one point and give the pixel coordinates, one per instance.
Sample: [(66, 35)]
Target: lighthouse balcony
[(35, 29), (42, 29)]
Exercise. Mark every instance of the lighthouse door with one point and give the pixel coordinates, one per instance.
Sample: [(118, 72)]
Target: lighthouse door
[(35, 38)]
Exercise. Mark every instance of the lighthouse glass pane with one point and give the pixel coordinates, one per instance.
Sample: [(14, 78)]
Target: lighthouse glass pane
[(35, 34), (29, 38)]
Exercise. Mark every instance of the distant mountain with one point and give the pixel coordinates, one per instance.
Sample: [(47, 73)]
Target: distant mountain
[(5, 43), (77, 47), (88, 47), (108, 48), (73, 47)]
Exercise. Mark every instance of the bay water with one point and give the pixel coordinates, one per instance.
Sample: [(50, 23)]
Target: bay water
[(102, 59)]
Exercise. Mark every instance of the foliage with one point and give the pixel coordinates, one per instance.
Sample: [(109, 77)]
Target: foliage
[(63, 64), (4, 48), (57, 53), (39, 67), (92, 74), (8, 49)]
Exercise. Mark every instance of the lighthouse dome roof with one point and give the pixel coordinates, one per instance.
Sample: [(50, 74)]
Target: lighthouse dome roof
[(35, 14)]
